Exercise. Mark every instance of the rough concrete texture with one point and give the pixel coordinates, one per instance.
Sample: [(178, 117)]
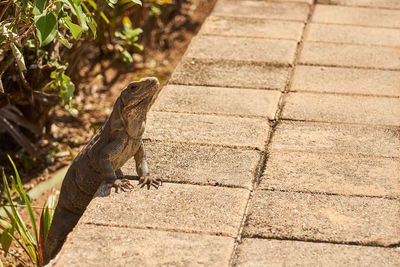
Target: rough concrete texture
[(338, 219), (342, 108), (350, 55), (207, 100), (116, 246), (373, 17), (250, 27), (279, 52), (177, 207), (332, 173), (199, 164), (207, 129), (395, 4), (230, 74), (329, 192), (336, 138), (261, 9), (346, 80), (353, 34), (263, 252), (303, 1)]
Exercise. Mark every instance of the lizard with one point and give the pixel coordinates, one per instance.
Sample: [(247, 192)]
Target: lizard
[(100, 160)]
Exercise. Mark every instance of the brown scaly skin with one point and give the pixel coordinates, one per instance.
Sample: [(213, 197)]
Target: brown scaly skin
[(101, 159)]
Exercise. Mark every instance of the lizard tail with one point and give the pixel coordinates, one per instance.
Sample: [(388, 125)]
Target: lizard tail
[(63, 223)]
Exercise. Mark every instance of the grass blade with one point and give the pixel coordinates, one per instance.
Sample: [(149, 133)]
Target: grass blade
[(23, 195)]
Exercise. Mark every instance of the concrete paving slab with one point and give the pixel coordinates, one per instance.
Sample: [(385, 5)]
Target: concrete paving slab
[(250, 27), (338, 219), (115, 246), (332, 173), (218, 100), (336, 138), (264, 10), (174, 207), (346, 80), (342, 108), (350, 55), (264, 252), (280, 52), (353, 34), (230, 74), (373, 17), (364, 3), (207, 129), (199, 164)]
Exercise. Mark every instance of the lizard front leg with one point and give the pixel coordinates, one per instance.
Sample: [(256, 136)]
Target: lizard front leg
[(143, 170), (113, 177)]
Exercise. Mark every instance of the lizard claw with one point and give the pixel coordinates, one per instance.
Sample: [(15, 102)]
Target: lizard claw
[(122, 184), (146, 180)]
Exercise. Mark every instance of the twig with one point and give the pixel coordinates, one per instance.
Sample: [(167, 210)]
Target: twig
[(18, 136), (6, 65), (13, 40), (5, 9)]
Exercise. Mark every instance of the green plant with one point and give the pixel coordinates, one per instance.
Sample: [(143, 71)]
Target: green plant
[(15, 229), (130, 36), (39, 41)]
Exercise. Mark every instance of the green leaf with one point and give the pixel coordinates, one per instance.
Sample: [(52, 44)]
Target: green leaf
[(28, 242), (22, 194), (138, 46), (19, 58), (111, 3), (6, 238), (75, 29), (120, 35), (63, 40), (104, 17), (39, 7), (67, 89), (138, 2), (77, 11), (48, 214), (46, 28), (92, 25), (127, 57)]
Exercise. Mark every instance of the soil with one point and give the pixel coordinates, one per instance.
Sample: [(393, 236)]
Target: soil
[(101, 84)]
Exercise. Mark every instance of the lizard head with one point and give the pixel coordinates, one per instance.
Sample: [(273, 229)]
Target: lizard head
[(135, 101), (139, 93)]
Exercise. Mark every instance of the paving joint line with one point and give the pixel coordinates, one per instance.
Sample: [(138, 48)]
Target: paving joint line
[(397, 198), (238, 62), (355, 155), (346, 66), (248, 61), (265, 153), (215, 114), (361, 6), (224, 86), (343, 93), (148, 139), (355, 25), (344, 123), (355, 44), (163, 229), (306, 240), (247, 36)]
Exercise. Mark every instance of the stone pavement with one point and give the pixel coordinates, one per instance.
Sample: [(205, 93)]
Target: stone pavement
[(278, 138)]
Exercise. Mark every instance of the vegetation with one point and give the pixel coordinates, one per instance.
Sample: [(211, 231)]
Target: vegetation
[(41, 46), (15, 229)]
